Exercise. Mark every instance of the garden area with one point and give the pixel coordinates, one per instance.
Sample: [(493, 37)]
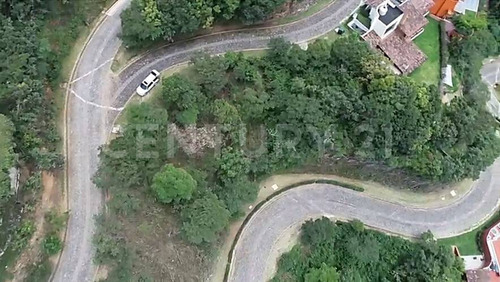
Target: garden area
[(428, 42)]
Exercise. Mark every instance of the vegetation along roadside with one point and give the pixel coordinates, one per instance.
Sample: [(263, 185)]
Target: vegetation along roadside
[(36, 37)]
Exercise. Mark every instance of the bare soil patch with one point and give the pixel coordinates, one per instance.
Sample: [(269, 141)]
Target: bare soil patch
[(152, 235), (51, 199)]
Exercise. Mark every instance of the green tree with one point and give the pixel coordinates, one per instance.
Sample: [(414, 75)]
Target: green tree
[(236, 193), (204, 219), (173, 184), (7, 156), (52, 245), (232, 165), (211, 73), (253, 11), (323, 274)]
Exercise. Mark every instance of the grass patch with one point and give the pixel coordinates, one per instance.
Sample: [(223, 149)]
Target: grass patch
[(313, 9), (428, 42), (469, 243), (364, 20)]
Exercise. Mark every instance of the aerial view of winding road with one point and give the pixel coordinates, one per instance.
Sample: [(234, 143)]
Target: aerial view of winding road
[(96, 96)]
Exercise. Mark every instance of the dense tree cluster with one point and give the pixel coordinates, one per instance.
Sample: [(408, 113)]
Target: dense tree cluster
[(347, 252), (26, 63), (341, 101), (494, 18), (149, 20)]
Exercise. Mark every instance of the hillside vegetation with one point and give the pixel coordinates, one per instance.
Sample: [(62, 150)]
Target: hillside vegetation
[(276, 112)]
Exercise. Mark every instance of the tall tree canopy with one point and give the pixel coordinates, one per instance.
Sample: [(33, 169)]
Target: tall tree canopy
[(173, 184), (149, 20)]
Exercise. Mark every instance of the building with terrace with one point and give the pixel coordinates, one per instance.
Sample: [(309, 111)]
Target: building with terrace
[(488, 268), (390, 26)]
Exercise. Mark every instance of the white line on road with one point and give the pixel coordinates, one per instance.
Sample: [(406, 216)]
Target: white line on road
[(111, 11), (94, 104), (90, 72)]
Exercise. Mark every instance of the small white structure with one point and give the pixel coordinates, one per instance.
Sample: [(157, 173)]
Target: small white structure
[(384, 17), (303, 45), (14, 179), (447, 78), (116, 129), (467, 5), (473, 262)]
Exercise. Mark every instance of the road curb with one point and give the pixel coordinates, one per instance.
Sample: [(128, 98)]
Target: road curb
[(273, 197), (269, 199)]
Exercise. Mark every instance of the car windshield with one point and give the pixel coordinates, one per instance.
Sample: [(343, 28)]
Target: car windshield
[(144, 86)]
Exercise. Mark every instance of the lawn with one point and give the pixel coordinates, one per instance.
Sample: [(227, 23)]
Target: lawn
[(468, 243), (428, 42)]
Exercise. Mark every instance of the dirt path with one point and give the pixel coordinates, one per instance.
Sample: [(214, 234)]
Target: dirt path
[(51, 199)]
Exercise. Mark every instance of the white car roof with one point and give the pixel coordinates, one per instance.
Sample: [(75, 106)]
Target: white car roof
[(149, 78)]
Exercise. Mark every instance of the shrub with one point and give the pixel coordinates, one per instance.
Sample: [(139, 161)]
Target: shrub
[(52, 244), (173, 184)]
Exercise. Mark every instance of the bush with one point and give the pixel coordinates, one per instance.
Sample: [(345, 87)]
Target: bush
[(173, 184), (187, 117), (52, 245), (23, 234), (204, 219)]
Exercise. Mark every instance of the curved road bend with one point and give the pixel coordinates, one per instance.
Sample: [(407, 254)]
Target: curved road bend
[(86, 131), (252, 257), (94, 103)]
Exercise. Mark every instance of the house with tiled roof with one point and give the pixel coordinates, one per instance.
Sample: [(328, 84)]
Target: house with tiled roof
[(485, 268), (390, 26)]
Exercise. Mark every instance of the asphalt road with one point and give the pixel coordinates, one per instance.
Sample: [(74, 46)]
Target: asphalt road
[(491, 75), (86, 131), (97, 96), (251, 255)]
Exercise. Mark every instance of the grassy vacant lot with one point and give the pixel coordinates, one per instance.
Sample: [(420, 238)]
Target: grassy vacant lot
[(428, 42), (468, 243)]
